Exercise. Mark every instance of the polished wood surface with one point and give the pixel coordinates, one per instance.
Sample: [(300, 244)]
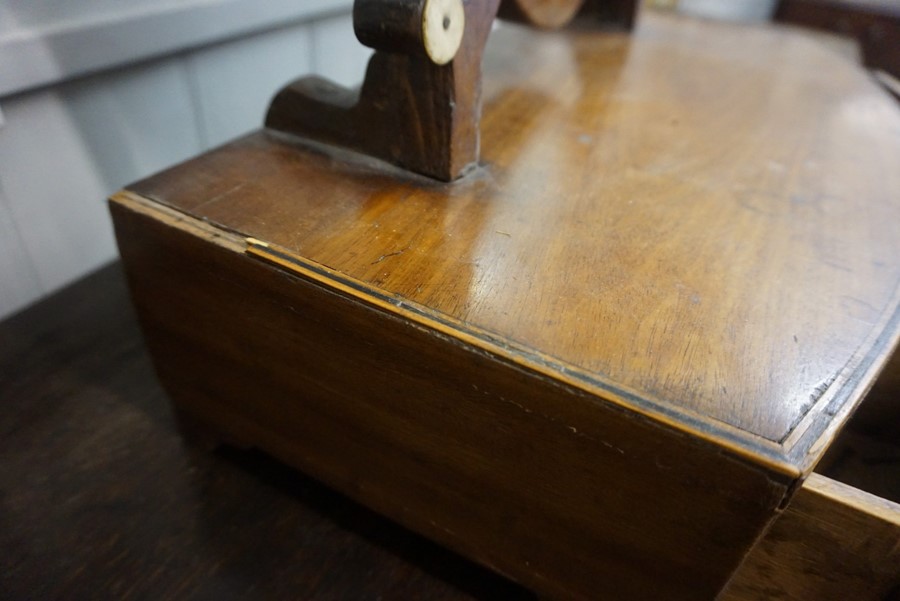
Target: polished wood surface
[(609, 355), (412, 417), (419, 105), (101, 498), (697, 222)]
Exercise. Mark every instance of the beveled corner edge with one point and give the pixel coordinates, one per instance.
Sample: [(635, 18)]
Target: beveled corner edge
[(807, 441), (790, 458)]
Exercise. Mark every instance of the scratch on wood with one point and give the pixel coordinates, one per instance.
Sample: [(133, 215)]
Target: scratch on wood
[(385, 256), (220, 196), (819, 390)]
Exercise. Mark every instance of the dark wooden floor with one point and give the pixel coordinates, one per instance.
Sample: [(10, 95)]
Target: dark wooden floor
[(100, 497)]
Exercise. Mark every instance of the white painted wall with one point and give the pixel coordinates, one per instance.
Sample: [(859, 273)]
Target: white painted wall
[(80, 129)]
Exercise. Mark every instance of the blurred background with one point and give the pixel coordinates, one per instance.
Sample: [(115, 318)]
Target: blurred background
[(95, 94)]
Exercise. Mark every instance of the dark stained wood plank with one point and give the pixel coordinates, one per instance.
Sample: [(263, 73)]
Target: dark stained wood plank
[(879, 416), (573, 497), (101, 498), (874, 24)]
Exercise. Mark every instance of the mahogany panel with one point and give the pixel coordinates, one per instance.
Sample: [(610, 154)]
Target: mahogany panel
[(573, 497), (602, 362), (695, 221)]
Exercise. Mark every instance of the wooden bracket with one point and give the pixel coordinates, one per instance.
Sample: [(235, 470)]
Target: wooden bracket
[(420, 102)]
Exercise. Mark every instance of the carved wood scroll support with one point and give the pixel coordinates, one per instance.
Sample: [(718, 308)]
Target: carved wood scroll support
[(420, 102)]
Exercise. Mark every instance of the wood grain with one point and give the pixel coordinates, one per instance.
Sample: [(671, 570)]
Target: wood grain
[(834, 542), (102, 498), (730, 255), (419, 107), (409, 111), (602, 362), (572, 497)]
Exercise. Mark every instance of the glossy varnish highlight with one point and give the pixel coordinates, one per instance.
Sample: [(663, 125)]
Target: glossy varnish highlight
[(698, 221)]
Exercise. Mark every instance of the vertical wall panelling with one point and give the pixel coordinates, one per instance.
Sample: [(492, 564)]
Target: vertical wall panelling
[(134, 121), (64, 148), (62, 151), (46, 41), (338, 54), (8, 21), (233, 83), (53, 190), (18, 279)]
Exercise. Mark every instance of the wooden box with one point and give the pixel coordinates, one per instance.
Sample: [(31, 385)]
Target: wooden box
[(604, 362)]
